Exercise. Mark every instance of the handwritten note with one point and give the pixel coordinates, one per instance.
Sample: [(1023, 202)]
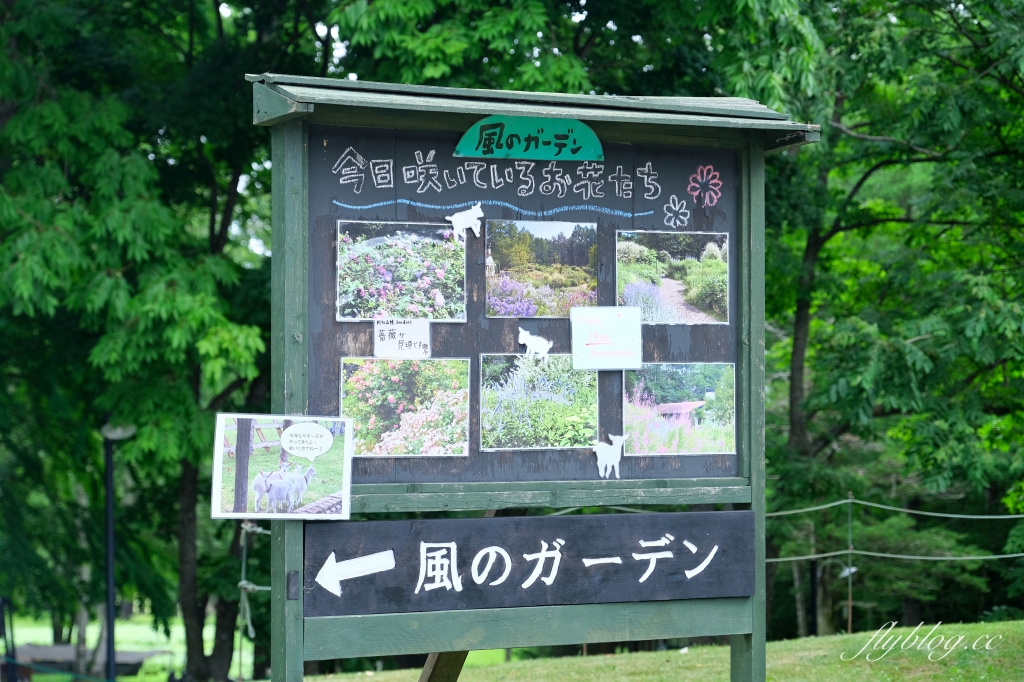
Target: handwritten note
[(401, 339), (606, 338)]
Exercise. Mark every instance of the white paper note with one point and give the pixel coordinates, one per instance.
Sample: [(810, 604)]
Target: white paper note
[(606, 338), (401, 339)]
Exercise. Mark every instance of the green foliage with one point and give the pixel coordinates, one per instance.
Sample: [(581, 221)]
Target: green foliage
[(722, 408), (134, 217), (536, 403), (707, 282), (556, 277)]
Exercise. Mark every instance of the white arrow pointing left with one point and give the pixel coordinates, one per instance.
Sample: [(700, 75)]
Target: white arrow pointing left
[(333, 572)]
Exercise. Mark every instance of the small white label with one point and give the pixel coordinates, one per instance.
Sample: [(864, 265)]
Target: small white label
[(401, 339), (606, 338)]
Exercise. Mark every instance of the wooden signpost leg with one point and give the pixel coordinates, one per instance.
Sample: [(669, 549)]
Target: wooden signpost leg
[(443, 667), (286, 654)]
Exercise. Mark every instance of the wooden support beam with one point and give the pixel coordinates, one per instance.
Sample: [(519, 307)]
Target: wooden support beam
[(445, 666)]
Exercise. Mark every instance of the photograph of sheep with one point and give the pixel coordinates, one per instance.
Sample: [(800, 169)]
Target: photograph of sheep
[(400, 271), (267, 466), (674, 277), (531, 403), (407, 408), (679, 409), (540, 268)]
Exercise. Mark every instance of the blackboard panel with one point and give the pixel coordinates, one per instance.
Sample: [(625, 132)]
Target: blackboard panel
[(726, 537), (510, 192)]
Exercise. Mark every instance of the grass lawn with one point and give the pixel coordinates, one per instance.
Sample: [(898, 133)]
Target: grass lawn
[(805, 660), (136, 634)]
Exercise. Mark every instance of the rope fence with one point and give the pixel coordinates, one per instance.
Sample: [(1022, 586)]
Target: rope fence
[(865, 503)]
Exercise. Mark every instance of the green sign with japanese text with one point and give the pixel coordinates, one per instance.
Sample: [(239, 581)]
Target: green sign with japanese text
[(529, 137)]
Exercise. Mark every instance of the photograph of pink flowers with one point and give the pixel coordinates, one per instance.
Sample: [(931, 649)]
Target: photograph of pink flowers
[(400, 271), (679, 409), (407, 408), (540, 268), (529, 403), (674, 277)]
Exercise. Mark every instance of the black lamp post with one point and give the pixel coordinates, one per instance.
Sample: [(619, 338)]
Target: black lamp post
[(110, 434)]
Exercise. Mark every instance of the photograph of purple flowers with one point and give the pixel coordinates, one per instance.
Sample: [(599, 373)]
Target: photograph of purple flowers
[(674, 277), (679, 409), (540, 268), (400, 271), (530, 403), (407, 408)]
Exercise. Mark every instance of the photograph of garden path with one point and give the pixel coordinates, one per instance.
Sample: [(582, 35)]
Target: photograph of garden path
[(536, 403), (407, 408), (540, 268), (400, 271), (276, 481), (674, 277), (679, 409)]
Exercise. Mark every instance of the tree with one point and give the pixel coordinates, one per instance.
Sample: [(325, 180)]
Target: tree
[(135, 217), (243, 450), (897, 252)]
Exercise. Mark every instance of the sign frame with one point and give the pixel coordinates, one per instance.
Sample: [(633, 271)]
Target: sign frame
[(289, 105)]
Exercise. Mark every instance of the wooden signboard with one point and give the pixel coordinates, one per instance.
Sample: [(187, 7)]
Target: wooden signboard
[(491, 216), (453, 564)]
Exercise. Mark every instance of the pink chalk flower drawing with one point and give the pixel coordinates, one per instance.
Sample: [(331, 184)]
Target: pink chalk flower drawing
[(705, 186), (676, 213)]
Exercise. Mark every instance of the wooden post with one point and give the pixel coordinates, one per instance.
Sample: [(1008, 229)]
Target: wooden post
[(288, 379), (243, 449), (748, 650), (443, 667)]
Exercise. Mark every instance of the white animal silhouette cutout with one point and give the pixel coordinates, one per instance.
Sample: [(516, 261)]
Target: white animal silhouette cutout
[(535, 345), (609, 456), (468, 219)]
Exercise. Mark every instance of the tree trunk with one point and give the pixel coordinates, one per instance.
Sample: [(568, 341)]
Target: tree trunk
[(771, 552), (911, 612), (57, 626), (799, 436), (824, 614), (219, 661), (243, 450), (284, 454), (801, 607), (193, 605), (99, 653), (81, 623)]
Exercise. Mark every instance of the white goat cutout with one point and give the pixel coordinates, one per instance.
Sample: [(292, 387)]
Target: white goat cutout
[(466, 220), (609, 456), (535, 345)]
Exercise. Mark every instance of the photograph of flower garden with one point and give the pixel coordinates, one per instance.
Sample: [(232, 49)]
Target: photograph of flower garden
[(407, 408), (540, 269), (390, 271), (679, 409), (536, 403), (674, 277)]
